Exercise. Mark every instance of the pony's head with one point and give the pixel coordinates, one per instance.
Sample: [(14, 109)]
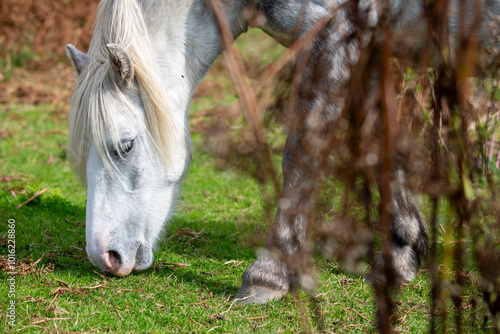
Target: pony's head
[(125, 143), (131, 183)]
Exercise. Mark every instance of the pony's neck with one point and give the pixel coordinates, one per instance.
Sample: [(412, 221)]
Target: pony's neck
[(186, 42)]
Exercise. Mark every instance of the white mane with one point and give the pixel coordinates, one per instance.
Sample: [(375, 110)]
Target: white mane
[(119, 22)]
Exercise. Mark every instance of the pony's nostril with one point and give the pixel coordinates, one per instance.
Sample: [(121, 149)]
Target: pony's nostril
[(115, 260), (116, 264)]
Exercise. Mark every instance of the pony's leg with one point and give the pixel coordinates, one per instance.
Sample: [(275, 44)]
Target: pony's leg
[(324, 72), (275, 270), (320, 97), (408, 232)]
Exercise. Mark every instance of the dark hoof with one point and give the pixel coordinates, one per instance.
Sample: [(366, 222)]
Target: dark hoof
[(256, 294)]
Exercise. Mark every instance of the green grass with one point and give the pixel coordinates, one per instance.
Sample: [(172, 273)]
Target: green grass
[(218, 228)]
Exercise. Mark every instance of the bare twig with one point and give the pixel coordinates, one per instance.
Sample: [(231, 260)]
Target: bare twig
[(38, 193)]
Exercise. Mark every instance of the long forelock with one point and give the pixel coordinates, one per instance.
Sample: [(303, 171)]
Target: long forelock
[(92, 103)]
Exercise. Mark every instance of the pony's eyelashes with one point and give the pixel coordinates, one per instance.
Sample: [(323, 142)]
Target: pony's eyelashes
[(124, 149)]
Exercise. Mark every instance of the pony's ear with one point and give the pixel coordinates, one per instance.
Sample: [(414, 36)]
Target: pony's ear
[(121, 62), (76, 57)]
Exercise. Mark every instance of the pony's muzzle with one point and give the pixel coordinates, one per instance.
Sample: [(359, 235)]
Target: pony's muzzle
[(120, 263)]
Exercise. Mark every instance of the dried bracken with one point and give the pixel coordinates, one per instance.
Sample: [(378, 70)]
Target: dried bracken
[(32, 39)]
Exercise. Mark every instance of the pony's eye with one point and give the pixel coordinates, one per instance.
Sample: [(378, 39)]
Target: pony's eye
[(127, 146), (124, 148)]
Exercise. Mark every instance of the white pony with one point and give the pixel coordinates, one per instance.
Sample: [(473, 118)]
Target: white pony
[(128, 134)]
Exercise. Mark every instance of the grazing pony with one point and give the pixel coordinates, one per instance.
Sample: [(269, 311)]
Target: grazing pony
[(129, 140)]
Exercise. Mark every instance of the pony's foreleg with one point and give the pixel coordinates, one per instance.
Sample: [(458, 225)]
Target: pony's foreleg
[(324, 68), (277, 267)]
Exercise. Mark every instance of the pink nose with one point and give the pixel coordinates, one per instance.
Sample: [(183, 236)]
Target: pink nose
[(113, 264)]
